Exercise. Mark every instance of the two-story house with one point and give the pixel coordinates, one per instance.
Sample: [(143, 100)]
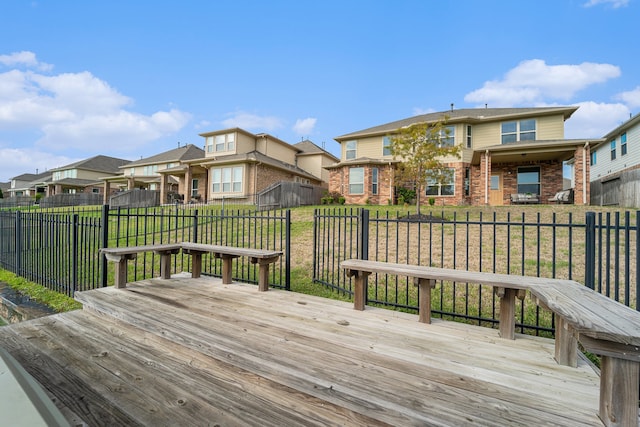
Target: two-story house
[(148, 173), (29, 184), (615, 166), (239, 164), (504, 151), (84, 176)]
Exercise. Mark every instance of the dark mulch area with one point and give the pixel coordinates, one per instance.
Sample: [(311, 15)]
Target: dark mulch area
[(422, 218)]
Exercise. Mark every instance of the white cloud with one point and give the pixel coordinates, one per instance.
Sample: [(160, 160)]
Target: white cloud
[(24, 58), (252, 122), (17, 161), (595, 120), (614, 3), (76, 110), (533, 81), (417, 111), (305, 126), (631, 98)]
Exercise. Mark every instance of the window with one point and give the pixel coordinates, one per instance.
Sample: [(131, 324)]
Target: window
[(468, 136), (623, 144), (374, 181), (523, 130), (132, 171), (448, 136), (613, 149), (386, 146), (467, 181), (220, 143), (444, 185), (350, 150), (226, 180), (356, 181), (529, 180), (150, 170), (194, 187), (594, 158)]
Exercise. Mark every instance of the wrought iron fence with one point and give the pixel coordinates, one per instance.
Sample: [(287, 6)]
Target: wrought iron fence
[(61, 250), (601, 252)]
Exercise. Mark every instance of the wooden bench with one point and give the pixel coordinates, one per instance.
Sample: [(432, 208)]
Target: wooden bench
[(227, 253), (562, 197), (262, 257), (123, 254), (602, 325)]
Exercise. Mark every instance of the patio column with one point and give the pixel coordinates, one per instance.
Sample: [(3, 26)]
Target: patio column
[(163, 188), (131, 183), (485, 175), (581, 175), (188, 176)]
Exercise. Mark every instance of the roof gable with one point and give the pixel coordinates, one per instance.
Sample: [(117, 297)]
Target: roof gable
[(186, 152)]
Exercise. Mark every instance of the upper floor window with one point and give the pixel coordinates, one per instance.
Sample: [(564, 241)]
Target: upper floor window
[(350, 150), (132, 171), (356, 181), (374, 181), (219, 143), (150, 170), (623, 144), (594, 157), (386, 146), (613, 149), (469, 136), (443, 186), (522, 130), (68, 173), (448, 136)]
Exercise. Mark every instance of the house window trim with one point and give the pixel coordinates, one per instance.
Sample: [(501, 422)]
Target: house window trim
[(538, 183), (623, 144), (518, 133), (352, 183), (469, 137), (439, 186), (353, 150), (612, 147), (232, 183), (375, 176), (386, 146)]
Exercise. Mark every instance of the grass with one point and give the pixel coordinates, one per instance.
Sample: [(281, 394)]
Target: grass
[(56, 301)]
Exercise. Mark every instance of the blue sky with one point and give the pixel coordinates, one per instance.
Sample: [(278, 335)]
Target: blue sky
[(131, 79)]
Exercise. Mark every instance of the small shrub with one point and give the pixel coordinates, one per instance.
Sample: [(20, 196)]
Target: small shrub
[(341, 200), (432, 201)]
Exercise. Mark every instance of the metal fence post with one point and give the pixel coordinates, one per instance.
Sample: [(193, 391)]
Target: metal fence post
[(287, 251), (18, 244), (363, 234), (590, 250), (105, 243), (74, 254)]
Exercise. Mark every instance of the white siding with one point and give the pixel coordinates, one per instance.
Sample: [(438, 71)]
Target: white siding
[(605, 166)]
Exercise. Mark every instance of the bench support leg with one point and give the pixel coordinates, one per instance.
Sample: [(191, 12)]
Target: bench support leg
[(566, 350), (120, 280), (507, 312), (360, 291), (227, 263), (424, 303), (196, 264), (165, 266), (619, 392)]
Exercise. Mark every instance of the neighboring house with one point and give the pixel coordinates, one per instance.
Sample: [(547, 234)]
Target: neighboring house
[(615, 166), (504, 151), (239, 164), (84, 176), (29, 184), (149, 173), (4, 187)]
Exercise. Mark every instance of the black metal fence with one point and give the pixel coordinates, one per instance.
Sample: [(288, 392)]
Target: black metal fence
[(600, 251), (61, 250)]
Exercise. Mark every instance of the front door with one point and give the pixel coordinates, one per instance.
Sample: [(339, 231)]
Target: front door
[(495, 190)]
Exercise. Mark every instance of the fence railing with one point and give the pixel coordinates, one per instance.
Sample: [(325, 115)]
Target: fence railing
[(601, 252), (61, 250)]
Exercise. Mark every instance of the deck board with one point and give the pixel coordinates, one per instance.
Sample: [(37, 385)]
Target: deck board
[(194, 351)]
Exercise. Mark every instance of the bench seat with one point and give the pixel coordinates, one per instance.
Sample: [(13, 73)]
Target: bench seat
[(603, 326), (521, 198), (261, 257)]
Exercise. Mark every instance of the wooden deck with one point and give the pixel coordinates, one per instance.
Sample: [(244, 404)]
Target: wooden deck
[(195, 352)]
